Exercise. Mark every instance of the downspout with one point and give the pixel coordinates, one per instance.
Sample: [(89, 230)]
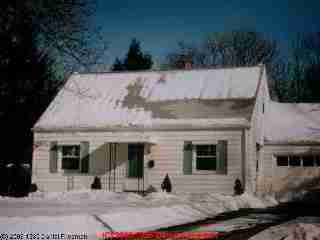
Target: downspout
[(109, 168), (115, 166), (243, 157)]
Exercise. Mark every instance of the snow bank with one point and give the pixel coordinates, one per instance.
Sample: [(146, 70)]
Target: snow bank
[(144, 219), (75, 196), (91, 211), (59, 224), (304, 231), (302, 228)]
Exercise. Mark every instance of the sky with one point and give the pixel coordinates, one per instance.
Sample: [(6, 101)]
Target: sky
[(159, 25)]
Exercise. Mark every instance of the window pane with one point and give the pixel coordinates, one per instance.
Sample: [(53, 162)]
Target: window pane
[(294, 161), (206, 150), (307, 161), (70, 163), (73, 150), (206, 163), (317, 161), (282, 161)]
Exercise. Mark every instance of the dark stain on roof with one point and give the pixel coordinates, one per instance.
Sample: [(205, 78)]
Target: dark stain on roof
[(187, 108)]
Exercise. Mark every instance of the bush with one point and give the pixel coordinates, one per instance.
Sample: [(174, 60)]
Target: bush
[(96, 183), (238, 188), (18, 180), (166, 184)]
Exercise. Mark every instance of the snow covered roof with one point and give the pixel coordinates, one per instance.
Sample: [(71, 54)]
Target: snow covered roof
[(292, 123), (154, 99)]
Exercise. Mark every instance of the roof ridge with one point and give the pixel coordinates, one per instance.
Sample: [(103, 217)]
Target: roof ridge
[(170, 70)]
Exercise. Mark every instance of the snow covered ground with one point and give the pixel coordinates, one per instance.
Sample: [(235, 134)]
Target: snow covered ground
[(89, 212)]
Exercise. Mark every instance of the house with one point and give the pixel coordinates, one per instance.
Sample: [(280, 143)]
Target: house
[(204, 128)]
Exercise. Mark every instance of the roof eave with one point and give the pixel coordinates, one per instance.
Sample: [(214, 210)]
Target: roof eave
[(141, 129)]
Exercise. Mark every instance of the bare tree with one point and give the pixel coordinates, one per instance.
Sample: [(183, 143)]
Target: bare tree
[(230, 49), (304, 69), (240, 48), (63, 29)]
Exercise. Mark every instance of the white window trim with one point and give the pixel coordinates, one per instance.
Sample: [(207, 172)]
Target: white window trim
[(194, 159), (60, 156)]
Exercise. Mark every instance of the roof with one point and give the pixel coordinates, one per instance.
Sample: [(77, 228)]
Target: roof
[(292, 123), (154, 99)]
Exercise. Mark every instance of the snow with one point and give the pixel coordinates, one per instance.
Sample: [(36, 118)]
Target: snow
[(101, 100), (290, 122), (304, 231), (302, 228), (89, 212)]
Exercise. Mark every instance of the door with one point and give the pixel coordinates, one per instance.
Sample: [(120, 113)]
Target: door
[(135, 157), (135, 179)]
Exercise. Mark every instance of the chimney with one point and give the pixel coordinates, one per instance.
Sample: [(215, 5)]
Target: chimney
[(188, 65)]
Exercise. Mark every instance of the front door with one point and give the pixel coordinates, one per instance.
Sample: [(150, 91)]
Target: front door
[(135, 173), (135, 157)]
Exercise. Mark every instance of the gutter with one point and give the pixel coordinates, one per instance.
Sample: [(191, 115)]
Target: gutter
[(142, 129)]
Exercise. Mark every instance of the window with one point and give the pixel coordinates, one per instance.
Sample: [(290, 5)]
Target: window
[(294, 161), (298, 160), (205, 157), (71, 157), (308, 160), (282, 161)]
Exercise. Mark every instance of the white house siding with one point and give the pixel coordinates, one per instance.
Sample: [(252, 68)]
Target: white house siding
[(167, 154), (279, 180), (256, 134)]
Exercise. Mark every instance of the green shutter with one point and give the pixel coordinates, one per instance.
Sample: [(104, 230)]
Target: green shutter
[(187, 158), (85, 156), (53, 165), (222, 160)]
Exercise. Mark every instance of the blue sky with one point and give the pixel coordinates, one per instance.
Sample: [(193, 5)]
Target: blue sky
[(159, 25)]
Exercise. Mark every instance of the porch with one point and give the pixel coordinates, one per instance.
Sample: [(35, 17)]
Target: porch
[(125, 166)]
